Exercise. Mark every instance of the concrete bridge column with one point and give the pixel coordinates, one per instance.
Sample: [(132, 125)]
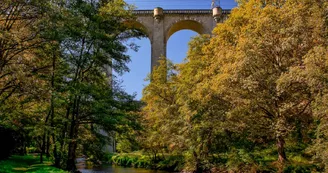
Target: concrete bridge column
[(158, 43)]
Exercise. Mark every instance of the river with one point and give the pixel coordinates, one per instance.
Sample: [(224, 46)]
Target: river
[(118, 169)]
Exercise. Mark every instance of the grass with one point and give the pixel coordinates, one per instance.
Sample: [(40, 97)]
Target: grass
[(29, 164)]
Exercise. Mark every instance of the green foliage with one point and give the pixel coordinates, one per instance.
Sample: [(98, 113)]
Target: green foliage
[(249, 98), (56, 85), (295, 168), (172, 163), (132, 160), (138, 160)]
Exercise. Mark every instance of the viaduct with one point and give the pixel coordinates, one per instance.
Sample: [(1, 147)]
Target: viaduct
[(160, 25)]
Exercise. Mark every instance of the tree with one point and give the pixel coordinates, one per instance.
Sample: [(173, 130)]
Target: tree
[(19, 36), (237, 91), (91, 39), (54, 80), (315, 72), (182, 115), (267, 42), (21, 27), (203, 109), (160, 112)]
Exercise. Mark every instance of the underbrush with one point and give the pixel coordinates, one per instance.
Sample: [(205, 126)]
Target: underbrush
[(265, 160), (255, 159), (138, 160)]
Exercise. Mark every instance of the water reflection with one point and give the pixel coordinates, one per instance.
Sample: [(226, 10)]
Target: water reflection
[(116, 169)]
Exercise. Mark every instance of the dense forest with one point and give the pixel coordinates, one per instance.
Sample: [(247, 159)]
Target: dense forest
[(57, 94), (251, 97)]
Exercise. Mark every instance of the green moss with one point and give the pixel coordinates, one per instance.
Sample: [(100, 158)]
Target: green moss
[(29, 164)]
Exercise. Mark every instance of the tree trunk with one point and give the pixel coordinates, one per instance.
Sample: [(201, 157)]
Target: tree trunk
[(48, 146), (52, 107), (72, 149), (73, 137), (71, 156), (43, 147), (56, 156), (64, 132), (281, 150)]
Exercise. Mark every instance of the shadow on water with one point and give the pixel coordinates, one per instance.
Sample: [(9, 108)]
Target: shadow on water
[(117, 169)]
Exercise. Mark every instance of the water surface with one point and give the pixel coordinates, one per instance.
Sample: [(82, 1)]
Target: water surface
[(118, 169)]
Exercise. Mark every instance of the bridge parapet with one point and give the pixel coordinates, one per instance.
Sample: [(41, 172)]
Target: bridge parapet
[(191, 11)]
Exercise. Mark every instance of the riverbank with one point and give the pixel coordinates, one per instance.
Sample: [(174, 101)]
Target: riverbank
[(261, 159), (139, 160), (119, 169), (27, 164)]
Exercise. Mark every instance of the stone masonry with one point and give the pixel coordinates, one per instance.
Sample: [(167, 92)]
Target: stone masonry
[(161, 24)]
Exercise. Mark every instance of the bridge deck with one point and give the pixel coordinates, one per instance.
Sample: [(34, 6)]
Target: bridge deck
[(225, 11)]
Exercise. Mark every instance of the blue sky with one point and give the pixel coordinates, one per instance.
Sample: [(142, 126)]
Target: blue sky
[(177, 46)]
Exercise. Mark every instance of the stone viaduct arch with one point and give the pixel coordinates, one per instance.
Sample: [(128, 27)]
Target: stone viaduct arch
[(161, 24)]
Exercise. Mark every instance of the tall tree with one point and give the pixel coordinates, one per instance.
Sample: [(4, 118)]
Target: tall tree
[(268, 41), (92, 35), (161, 111)]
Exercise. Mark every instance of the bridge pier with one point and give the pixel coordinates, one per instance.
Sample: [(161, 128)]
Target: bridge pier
[(157, 50), (158, 42)]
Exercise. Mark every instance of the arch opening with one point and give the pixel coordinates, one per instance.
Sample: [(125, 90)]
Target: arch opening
[(178, 45), (134, 24), (133, 81), (185, 24)]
